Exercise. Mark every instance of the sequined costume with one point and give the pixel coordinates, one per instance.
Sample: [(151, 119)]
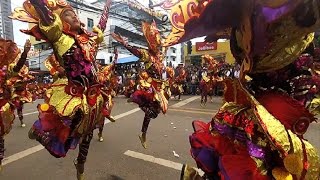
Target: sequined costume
[(258, 132), (129, 88), (12, 74), (170, 74), (177, 85), (107, 76), (151, 95), (210, 80), (21, 93), (76, 103)]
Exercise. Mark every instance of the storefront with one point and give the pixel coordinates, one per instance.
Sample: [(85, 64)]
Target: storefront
[(219, 50)]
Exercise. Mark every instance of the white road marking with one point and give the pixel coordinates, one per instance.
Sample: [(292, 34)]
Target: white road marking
[(22, 154), (162, 162), (179, 104), (153, 159), (37, 148), (26, 114), (184, 102), (35, 112), (122, 115)]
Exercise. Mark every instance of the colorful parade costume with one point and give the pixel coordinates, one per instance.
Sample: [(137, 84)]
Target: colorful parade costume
[(210, 80), (76, 103), (107, 76), (177, 84), (258, 132), (21, 94), (170, 80), (12, 74), (129, 88), (150, 96)]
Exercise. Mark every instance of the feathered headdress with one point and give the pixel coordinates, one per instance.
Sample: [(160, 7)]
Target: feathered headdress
[(212, 63), (28, 14), (170, 72), (9, 52), (152, 35), (270, 48)]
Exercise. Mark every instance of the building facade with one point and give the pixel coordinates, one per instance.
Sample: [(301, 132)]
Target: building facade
[(219, 50), (124, 19), (173, 56), (6, 27)]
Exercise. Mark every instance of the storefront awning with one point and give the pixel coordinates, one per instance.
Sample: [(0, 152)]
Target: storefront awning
[(127, 59)]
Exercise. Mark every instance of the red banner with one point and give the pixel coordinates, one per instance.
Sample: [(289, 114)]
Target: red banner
[(204, 46)]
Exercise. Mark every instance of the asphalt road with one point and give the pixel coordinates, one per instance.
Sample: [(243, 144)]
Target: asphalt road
[(121, 155)]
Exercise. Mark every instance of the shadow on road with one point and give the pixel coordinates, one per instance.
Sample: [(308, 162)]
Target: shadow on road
[(113, 177)]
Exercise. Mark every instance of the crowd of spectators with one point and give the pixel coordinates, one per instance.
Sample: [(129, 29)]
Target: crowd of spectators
[(194, 76)]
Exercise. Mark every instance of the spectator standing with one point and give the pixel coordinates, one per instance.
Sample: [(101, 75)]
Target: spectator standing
[(194, 82)]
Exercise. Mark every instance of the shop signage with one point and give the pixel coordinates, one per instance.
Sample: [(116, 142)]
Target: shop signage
[(205, 46)]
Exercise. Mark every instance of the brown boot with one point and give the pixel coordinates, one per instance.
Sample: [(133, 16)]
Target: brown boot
[(143, 139), (80, 170), (31, 134), (111, 118), (188, 173)]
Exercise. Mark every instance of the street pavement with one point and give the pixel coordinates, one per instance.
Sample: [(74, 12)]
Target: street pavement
[(120, 156)]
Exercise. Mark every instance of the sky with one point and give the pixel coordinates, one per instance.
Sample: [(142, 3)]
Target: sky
[(19, 37)]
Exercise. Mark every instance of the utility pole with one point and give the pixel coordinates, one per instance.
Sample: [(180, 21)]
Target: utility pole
[(150, 4), (39, 60), (182, 54)]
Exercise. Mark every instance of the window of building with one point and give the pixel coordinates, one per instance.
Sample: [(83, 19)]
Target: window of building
[(173, 58), (110, 59), (90, 23), (173, 51)]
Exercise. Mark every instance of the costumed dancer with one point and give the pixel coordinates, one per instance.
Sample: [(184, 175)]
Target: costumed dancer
[(11, 63), (210, 80), (115, 85), (21, 93), (129, 88), (258, 132), (75, 103), (151, 95), (179, 81), (170, 74), (32, 87), (109, 81)]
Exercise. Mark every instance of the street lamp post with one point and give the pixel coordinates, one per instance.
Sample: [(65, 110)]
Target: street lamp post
[(39, 67)]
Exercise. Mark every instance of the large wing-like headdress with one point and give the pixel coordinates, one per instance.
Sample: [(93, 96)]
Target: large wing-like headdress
[(27, 13), (152, 36), (212, 63), (257, 29), (9, 52), (170, 72)]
